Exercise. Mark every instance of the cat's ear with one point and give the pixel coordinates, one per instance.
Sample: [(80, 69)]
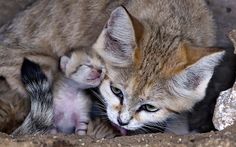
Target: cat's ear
[(184, 56), (196, 69), (63, 63), (118, 40)]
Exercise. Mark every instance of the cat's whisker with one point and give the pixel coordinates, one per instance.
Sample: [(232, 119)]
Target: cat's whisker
[(101, 108), (163, 127), (145, 131), (155, 128), (100, 105), (98, 96), (100, 113), (137, 132)]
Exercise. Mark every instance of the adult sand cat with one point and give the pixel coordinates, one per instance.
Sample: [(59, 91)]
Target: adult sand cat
[(157, 64), (154, 51)]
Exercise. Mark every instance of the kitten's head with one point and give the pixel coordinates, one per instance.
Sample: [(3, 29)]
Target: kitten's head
[(86, 69), (152, 74)]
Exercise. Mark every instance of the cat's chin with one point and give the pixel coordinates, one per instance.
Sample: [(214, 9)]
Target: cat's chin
[(123, 131)]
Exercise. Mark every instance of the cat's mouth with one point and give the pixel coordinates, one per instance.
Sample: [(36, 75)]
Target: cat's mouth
[(94, 78), (123, 131)]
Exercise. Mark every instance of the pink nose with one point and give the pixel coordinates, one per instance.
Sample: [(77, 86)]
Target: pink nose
[(95, 73)]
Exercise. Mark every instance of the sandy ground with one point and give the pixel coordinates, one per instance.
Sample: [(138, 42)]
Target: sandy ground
[(226, 138), (225, 14)]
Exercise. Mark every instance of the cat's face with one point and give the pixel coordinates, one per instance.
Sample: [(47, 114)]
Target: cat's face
[(131, 111), (149, 80), (86, 70)]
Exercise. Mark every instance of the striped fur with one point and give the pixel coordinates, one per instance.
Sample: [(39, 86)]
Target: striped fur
[(40, 118)]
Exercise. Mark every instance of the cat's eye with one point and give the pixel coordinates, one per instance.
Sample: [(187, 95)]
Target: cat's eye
[(117, 92), (149, 108)]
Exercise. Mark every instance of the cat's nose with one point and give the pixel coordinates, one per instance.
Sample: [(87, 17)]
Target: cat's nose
[(121, 123)]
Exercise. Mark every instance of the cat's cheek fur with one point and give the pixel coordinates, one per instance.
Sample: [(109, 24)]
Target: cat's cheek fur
[(143, 117), (154, 117), (110, 99)]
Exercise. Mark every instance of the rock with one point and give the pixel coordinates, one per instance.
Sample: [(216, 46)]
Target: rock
[(232, 36), (225, 109)]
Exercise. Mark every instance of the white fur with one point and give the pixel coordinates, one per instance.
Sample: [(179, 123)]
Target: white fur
[(204, 69), (72, 102), (185, 97), (120, 28), (63, 62)]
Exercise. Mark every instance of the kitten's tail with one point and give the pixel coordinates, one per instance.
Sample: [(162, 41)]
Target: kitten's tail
[(40, 117)]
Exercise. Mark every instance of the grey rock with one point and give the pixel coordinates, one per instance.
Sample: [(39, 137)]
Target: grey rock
[(225, 109)]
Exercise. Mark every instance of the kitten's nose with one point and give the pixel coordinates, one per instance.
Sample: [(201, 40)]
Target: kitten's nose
[(99, 71), (121, 123)]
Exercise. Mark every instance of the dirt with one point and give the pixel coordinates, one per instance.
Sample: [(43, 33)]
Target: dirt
[(225, 15), (226, 138)]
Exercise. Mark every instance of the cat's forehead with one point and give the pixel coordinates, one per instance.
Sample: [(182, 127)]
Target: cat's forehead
[(135, 84)]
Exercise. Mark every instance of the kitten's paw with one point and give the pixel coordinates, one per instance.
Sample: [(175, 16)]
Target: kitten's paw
[(81, 132), (53, 131), (81, 129)]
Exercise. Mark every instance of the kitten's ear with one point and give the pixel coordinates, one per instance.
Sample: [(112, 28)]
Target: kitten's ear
[(63, 63), (118, 40), (198, 67)]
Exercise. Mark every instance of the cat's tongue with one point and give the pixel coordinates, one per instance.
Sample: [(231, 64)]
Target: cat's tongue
[(122, 130)]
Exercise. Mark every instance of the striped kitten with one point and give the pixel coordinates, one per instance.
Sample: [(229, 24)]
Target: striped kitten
[(66, 92)]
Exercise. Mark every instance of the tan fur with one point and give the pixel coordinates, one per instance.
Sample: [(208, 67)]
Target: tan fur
[(13, 109), (57, 26), (156, 27), (8, 9), (117, 107), (184, 56), (169, 64), (52, 28), (11, 61), (14, 105), (100, 128), (232, 36), (137, 117)]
